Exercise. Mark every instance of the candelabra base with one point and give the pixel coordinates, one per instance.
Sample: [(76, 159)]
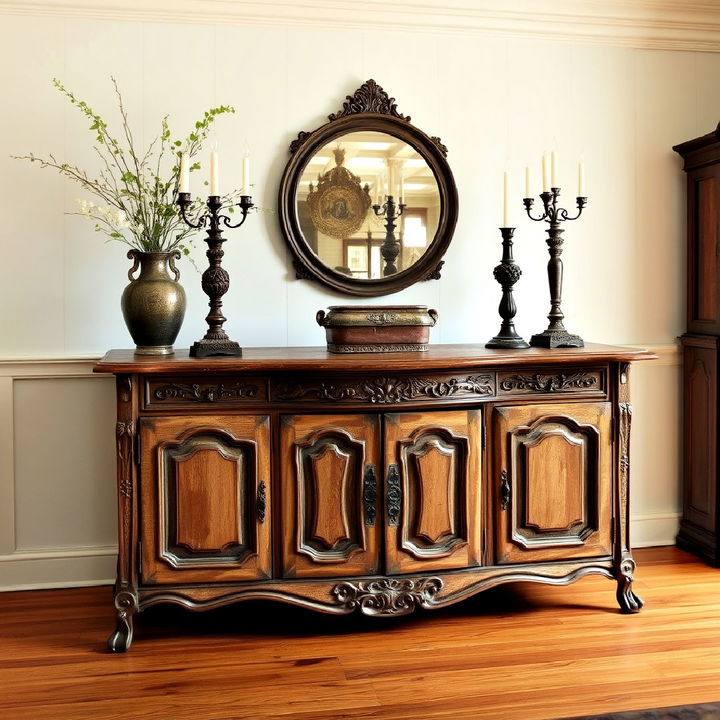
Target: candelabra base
[(207, 348), (556, 339), (507, 341)]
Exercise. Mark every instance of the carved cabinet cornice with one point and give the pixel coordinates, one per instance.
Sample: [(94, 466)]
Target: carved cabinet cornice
[(369, 482)]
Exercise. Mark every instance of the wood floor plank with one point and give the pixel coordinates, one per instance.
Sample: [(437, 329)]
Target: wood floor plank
[(520, 652)]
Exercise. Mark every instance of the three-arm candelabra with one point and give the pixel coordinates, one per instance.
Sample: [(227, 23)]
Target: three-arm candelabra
[(215, 280), (390, 248), (555, 335)]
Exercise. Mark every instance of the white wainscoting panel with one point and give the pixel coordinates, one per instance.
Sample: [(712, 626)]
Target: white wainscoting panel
[(57, 468)]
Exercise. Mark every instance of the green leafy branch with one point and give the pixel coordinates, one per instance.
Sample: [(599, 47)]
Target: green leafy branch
[(138, 190)]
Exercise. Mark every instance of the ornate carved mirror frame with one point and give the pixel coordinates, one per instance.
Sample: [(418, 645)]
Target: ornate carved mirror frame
[(368, 109)]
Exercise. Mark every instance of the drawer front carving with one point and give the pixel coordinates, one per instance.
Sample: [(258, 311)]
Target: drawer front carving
[(193, 391), (554, 382), (384, 390)]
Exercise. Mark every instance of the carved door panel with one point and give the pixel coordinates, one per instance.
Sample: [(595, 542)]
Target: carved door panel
[(432, 490), (205, 494), (552, 481), (700, 426), (330, 466)]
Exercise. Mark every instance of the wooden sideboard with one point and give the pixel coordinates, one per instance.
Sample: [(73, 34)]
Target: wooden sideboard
[(379, 482), (700, 523)]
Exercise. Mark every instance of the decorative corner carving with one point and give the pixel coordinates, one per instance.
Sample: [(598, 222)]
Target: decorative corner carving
[(549, 383), (301, 138), (300, 272), (440, 146), (125, 388), (206, 392), (369, 97), (388, 596), (434, 274), (261, 501)]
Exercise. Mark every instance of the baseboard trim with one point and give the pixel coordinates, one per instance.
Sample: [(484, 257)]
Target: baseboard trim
[(654, 530), (85, 567)]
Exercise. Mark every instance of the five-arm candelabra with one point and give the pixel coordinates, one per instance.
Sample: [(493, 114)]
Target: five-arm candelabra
[(390, 248), (555, 335), (215, 280)]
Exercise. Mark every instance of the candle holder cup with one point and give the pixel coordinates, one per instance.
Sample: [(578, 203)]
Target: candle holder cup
[(555, 335), (215, 279), (507, 273)]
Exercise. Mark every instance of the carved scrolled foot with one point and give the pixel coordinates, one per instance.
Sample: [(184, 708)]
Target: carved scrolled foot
[(628, 601), (126, 606)]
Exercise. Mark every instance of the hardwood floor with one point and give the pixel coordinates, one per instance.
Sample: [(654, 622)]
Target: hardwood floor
[(524, 652)]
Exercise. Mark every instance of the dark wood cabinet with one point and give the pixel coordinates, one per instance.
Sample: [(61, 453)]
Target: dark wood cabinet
[(373, 483), (700, 523)]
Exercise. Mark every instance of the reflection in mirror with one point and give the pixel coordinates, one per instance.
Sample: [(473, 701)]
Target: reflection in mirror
[(368, 205)]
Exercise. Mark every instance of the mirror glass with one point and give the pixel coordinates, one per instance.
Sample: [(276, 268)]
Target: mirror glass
[(344, 207)]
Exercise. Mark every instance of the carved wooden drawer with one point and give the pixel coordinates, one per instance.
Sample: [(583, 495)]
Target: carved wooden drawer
[(554, 381), (193, 391), (383, 389)]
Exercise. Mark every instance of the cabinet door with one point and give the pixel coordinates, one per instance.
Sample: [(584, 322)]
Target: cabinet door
[(205, 494), (432, 490), (703, 302), (552, 481), (700, 430), (330, 495)]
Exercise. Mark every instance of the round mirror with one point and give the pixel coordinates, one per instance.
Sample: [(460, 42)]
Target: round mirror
[(367, 202), (341, 204)]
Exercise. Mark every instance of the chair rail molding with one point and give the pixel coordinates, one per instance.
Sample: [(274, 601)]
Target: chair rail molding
[(655, 24)]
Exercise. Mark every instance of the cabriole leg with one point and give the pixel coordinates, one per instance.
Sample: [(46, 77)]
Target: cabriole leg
[(629, 602), (126, 607)]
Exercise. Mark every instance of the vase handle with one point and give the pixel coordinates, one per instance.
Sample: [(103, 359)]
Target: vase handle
[(133, 255), (172, 257)]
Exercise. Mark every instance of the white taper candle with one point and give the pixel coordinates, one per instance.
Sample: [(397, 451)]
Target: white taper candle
[(505, 199), (214, 174), (184, 185), (245, 175)]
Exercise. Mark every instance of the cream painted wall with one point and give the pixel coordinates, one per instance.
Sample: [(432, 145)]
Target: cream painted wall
[(619, 108)]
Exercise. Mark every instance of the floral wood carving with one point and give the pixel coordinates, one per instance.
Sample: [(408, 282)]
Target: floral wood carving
[(386, 390), (387, 596), (125, 433), (205, 393), (548, 383), (369, 97)]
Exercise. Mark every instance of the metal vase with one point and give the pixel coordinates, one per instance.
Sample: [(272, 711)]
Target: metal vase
[(153, 304)]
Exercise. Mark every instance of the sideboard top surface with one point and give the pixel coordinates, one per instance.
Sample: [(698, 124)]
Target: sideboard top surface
[(317, 358)]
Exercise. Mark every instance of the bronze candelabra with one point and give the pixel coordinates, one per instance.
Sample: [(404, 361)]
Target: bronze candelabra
[(507, 273), (215, 280), (390, 248), (555, 335)]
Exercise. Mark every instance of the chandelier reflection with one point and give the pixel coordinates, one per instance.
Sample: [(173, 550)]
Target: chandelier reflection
[(338, 204)]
